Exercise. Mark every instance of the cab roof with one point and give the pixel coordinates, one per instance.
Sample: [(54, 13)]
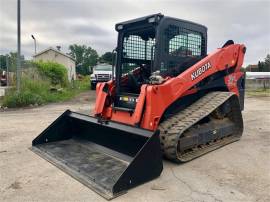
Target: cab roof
[(156, 18)]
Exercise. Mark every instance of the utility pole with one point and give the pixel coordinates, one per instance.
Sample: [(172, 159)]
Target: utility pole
[(7, 65), (18, 70), (35, 42)]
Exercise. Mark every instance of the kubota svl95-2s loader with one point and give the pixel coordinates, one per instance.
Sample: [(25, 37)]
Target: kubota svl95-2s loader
[(168, 98)]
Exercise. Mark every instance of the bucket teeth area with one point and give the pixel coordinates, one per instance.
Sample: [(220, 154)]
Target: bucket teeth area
[(85, 160), (108, 158)]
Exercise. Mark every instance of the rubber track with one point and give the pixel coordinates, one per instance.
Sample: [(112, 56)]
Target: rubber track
[(172, 128)]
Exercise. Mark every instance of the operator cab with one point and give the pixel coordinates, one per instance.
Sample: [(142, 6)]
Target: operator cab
[(154, 45)]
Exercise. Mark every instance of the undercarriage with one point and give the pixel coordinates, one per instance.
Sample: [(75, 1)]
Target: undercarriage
[(202, 127)]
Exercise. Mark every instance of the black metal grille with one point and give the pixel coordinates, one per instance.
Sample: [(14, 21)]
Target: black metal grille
[(183, 42), (134, 47), (103, 77)]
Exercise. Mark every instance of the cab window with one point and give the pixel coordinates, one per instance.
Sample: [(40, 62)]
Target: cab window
[(182, 42)]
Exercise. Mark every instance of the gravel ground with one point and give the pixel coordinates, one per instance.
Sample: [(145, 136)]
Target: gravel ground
[(237, 172)]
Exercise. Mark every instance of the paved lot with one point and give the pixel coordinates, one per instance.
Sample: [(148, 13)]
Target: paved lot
[(237, 172)]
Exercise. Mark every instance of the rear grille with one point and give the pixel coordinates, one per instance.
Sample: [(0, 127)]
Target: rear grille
[(103, 77)]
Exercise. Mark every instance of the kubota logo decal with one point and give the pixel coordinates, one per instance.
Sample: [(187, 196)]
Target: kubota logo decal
[(200, 70)]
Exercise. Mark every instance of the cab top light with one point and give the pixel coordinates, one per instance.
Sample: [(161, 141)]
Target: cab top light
[(152, 19), (119, 27)]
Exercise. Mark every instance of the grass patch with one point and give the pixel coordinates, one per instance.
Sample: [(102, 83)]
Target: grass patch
[(46, 82), (39, 91), (81, 85), (258, 92)]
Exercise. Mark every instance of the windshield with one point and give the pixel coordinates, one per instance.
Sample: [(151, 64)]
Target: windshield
[(103, 67)]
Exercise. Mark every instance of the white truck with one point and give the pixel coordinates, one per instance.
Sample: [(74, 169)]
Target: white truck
[(101, 73)]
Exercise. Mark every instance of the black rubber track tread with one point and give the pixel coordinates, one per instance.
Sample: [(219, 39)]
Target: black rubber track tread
[(172, 128)]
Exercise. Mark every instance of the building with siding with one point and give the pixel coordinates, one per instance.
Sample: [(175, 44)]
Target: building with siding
[(54, 55), (257, 80)]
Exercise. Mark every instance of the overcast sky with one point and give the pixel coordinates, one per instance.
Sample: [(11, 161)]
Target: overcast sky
[(91, 22)]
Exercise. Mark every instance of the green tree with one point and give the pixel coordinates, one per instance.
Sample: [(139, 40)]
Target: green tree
[(85, 57), (260, 66), (3, 65), (107, 58), (12, 61), (266, 66)]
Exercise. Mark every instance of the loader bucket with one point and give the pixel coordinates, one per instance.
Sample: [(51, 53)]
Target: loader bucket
[(109, 158)]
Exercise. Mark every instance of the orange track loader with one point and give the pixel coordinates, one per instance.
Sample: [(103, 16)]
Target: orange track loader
[(168, 98)]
